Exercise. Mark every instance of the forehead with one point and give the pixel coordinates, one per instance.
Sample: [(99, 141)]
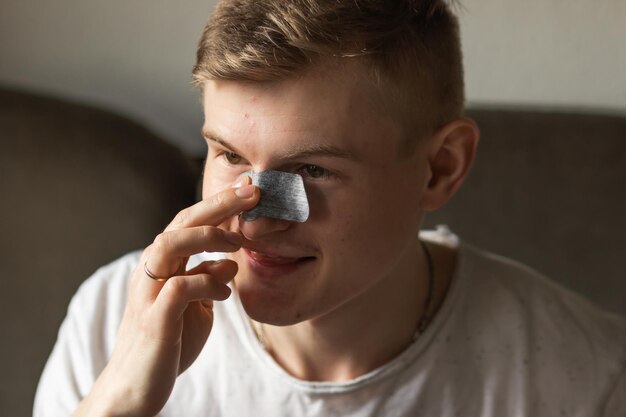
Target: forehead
[(335, 103)]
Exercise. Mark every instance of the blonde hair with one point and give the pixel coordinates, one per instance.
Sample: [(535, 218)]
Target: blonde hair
[(411, 49)]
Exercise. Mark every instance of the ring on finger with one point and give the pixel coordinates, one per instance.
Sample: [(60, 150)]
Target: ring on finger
[(151, 275)]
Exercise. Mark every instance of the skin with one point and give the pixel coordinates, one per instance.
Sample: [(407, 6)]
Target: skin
[(356, 293)]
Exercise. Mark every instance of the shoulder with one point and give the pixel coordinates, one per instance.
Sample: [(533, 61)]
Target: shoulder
[(518, 291), (99, 303), (515, 287), (107, 285), (86, 338), (552, 333), (96, 309)]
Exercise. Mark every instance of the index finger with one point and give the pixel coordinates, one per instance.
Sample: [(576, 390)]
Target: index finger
[(217, 208)]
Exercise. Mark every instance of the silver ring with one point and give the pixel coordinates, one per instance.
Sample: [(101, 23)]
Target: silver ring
[(151, 275)]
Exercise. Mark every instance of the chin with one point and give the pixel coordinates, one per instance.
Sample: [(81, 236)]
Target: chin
[(269, 307)]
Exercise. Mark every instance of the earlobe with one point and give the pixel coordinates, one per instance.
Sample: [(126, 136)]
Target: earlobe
[(450, 158)]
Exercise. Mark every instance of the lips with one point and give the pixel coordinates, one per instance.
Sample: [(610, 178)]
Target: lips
[(269, 259), (273, 264)]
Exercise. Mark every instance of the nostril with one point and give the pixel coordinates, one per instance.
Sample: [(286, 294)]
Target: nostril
[(262, 227)]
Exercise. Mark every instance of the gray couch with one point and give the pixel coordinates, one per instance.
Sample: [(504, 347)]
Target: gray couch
[(80, 186)]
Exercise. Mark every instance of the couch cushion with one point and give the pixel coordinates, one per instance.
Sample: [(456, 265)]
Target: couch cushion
[(79, 188), (548, 189)]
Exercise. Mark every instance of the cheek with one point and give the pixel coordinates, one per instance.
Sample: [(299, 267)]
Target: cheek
[(376, 220)]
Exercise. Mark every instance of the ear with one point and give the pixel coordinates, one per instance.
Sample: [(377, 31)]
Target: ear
[(450, 156)]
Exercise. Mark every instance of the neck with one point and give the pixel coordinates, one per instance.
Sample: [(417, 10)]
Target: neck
[(359, 336)]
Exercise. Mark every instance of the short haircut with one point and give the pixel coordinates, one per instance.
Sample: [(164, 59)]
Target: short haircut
[(410, 49)]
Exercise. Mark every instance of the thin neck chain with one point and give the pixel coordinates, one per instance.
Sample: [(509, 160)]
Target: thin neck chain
[(426, 312)]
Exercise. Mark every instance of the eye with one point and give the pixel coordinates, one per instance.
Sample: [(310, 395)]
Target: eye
[(314, 171), (232, 158)]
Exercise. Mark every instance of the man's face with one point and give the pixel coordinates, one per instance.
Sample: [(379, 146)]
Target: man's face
[(364, 199)]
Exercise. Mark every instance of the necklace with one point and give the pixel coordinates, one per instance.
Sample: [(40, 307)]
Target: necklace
[(424, 321)]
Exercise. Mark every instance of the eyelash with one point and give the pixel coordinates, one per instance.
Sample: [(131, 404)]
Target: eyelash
[(303, 170), (229, 155)]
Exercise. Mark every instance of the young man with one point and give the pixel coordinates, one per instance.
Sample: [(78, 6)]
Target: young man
[(351, 312)]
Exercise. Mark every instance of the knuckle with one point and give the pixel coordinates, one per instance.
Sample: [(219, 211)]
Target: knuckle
[(181, 217), (162, 242), (205, 282), (146, 253), (177, 286), (207, 232), (219, 200)]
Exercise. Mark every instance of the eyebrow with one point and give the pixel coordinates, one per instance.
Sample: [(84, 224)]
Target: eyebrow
[(300, 152), (207, 134)]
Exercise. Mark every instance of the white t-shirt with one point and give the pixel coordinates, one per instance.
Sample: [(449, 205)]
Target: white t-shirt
[(506, 342)]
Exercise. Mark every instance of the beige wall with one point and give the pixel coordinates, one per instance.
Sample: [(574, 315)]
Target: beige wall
[(555, 52), (135, 56)]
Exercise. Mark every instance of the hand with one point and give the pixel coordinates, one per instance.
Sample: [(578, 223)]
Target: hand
[(166, 324)]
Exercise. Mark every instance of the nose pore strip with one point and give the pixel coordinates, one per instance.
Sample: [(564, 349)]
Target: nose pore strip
[(283, 196)]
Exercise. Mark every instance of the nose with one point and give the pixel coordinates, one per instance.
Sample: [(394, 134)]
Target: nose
[(262, 227)]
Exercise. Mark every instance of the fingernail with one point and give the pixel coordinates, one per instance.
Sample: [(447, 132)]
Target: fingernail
[(219, 261), (245, 180), (232, 237), (245, 191)]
